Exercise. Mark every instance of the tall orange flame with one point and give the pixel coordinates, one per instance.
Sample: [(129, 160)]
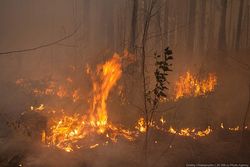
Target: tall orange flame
[(108, 74), (66, 131)]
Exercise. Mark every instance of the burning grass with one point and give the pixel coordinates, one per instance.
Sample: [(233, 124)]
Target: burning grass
[(189, 85), (69, 130)]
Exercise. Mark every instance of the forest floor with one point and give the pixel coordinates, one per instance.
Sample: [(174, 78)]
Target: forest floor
[(221, 147)]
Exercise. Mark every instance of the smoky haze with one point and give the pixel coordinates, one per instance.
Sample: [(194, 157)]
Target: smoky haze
[(44, 39)]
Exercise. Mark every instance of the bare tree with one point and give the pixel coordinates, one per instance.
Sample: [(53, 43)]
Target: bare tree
[(247, 20), (191, 22), (148, 16), (239, 25), (210, 42), (133, 26), (165, 29), (222, 29), (202, 25)]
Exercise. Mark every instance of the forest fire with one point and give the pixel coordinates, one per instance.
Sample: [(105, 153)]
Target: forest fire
[(190, 85), (72, 131), (67, 131), (107, 74), (194, 133), (187, 132), (140, 83)]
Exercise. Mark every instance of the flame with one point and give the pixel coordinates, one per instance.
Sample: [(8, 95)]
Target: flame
[(141, 126), (187, 132), (162, 120), (94, 146), (66, 131), (237, 128), (190, 132), (171, 130), (205, 132), (184, 132), (62, 92), (75, 95), (43, 137), (39, 108), (87, 69), (222, 125), (108, 74), (190, 85)]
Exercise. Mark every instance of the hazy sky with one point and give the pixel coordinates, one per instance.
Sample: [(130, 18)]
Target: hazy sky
[(29, 23)]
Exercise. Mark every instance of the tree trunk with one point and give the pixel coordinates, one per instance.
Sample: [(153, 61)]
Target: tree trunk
[(143, 53), (247, 26), (239, 24), (165, 29), (242, 141), (210, 41), (202, 26), (191, 22), (133, 26), (110, 27), (222, 30)]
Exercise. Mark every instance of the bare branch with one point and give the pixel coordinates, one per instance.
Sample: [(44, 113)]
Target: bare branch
[(44, 45)]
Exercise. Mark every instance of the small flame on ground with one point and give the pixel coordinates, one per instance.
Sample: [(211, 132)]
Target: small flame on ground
[(141, 126), (222, 125), (39, 108), (171, 130), (162, 120), (43, 139), (191, 132), (237, 128), (94, 146)]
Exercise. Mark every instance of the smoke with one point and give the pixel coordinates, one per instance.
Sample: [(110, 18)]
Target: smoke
[(104, 26)]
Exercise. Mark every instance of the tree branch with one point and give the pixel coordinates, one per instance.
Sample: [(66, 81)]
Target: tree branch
[(42, 46)]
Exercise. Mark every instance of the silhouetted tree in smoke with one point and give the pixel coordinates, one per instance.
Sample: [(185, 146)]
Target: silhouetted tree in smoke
[(161, 72), (239, 25), (222, 30)]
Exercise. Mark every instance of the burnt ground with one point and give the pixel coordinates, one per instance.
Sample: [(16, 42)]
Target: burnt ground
[(223, 147)]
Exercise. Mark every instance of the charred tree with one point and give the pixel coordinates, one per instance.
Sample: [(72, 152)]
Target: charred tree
[(239, 25), (247, 13), (165, 24), (202, 25), (147, 18), (222, 28), (133, 26), (191, 22), (242, 142), (210, 42)]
